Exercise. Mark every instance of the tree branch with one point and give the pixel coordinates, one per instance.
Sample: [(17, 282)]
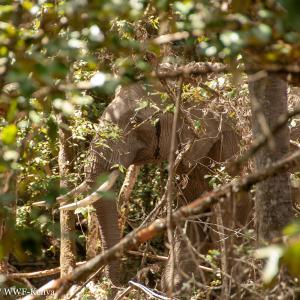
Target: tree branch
[(170, 188), (38, 274)]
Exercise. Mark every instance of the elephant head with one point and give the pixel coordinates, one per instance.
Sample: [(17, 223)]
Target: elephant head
[(142, 141)]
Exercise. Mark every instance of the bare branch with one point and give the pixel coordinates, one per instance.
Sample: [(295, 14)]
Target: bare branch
[(157, 257), (85, 283), (170, 189), (38, 274), (171, 37), (224, 259)]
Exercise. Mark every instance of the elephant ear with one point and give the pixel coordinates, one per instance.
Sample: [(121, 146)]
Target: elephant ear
[(209, 132)]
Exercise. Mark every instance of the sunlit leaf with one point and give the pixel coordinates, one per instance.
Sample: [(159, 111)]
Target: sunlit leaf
[(292, 229), (292, 257), (9, 134), (272, 254)]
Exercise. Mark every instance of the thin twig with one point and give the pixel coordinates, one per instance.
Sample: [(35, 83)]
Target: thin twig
[(124, 293), (224, 259), (152, 256), (85, 283), (170, 191)]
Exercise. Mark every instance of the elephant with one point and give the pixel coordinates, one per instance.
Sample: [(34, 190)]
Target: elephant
[(143, 141)]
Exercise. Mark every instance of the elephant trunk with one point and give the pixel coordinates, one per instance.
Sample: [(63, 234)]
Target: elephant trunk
[(106, 209), (107, 214)]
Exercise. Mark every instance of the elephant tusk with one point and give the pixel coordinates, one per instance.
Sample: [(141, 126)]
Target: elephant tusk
[(40, 203), (95, 196), (76, 191)]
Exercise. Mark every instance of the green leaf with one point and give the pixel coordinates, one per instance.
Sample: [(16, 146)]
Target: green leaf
[(292, 229), (197, 124), (262, 32), (273, 254), (231, 39), (9, 134), (4, 9), (292, 13), (292, 258)]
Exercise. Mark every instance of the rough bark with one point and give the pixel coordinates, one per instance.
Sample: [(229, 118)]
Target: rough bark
[(67, 218), (273, 202)]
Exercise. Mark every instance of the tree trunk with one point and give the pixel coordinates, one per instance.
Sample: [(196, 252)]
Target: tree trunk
[(273, 196), (67, 218)]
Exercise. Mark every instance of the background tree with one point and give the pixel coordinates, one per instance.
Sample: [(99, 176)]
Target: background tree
[(66, 159)]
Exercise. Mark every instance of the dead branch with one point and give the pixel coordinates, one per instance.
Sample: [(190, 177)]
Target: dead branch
[(224, 259), (142, 235), (171, 37), (170, 189), (38, 274), (85, 283), (46, 289), (152, 256), (124, 293)]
